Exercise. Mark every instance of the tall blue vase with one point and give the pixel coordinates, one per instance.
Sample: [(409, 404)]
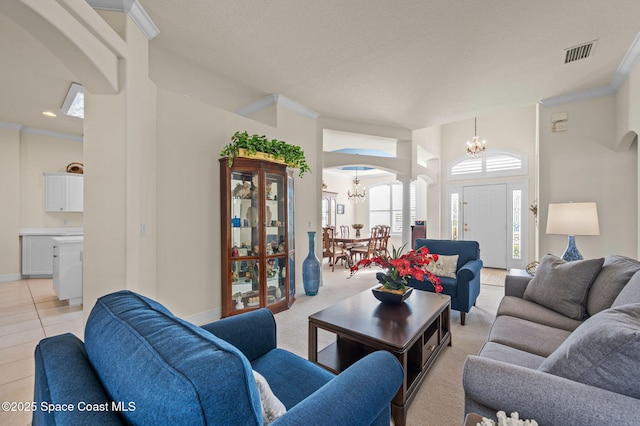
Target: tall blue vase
[(311, 268)]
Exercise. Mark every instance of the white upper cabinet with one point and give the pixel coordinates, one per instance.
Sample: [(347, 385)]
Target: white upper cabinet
[(64, 192)]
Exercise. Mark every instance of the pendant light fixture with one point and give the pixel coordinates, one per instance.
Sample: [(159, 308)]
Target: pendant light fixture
[(475, 148), (357, 193)]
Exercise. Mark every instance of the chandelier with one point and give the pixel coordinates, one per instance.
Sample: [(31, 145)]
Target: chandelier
[(475, 148), (358, 193)]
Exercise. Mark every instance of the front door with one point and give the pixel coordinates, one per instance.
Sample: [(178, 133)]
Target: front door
[(484, 219)]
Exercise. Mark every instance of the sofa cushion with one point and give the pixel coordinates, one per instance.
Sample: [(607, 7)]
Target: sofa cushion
[(563, 286), (503, 353), (446, 266), (528, 310), (179, 373), (602, 352), (540, 339), (615, 273), (630, 293), (295, 382)]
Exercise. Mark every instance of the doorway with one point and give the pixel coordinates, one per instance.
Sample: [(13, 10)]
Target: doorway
[(492, 215), (484, 218)]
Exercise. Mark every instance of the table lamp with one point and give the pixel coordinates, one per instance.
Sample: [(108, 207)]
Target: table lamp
[(573, 219)]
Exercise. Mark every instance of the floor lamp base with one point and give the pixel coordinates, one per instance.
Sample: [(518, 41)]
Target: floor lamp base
[(571, 253)]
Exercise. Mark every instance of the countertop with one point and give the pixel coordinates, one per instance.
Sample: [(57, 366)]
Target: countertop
[(68, 239), (69, 231)]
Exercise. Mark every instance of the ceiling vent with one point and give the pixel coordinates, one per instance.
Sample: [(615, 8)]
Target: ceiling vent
[(576, 53)]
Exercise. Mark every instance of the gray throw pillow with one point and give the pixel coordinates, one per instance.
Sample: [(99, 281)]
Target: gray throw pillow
[(563, 286), (602, 352), (616, 272), (630, 293)]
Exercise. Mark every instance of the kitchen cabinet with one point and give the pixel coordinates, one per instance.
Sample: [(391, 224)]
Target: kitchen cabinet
[(258, 255), (37, 249), (64, 192), (67, 268)]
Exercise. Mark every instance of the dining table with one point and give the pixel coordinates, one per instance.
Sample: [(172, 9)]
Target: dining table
[(361, 240)]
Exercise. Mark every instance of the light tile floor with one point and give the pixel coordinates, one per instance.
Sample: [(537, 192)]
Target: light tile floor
[(29, 311)]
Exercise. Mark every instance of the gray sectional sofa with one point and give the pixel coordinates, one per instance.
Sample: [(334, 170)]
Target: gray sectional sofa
[(564, 348)]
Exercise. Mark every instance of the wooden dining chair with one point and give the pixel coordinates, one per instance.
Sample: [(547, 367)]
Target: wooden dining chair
[(369, 249), (384, 231), (331, 249)]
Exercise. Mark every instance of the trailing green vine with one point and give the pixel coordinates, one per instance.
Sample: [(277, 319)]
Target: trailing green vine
[(292, 155)]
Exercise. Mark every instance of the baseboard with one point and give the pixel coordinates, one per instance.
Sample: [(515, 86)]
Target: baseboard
[(205, 317), (10, 277)]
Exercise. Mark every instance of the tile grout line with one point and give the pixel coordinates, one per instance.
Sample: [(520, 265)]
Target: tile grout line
[(33, 300)]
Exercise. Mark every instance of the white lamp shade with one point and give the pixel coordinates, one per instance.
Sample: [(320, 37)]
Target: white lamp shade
[(573, 219)]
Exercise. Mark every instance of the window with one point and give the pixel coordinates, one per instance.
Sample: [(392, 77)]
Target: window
[(454, 215), (385, 205), (492, 163), (516, 238)]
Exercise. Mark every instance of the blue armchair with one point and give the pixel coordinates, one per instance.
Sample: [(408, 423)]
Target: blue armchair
[(465, 288), (139, 364)]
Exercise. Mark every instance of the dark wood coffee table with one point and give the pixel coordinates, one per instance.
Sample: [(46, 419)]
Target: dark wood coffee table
[(415, 332)]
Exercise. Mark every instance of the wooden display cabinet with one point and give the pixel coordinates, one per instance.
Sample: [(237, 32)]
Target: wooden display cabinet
[(258, 256)]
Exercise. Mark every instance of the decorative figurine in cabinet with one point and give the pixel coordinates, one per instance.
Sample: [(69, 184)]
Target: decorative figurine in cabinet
[(258, 255)]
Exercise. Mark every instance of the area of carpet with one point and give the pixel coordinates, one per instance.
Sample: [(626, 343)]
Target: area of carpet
[(440, 399)]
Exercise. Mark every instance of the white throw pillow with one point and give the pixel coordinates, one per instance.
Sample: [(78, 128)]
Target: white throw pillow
[(272, 407), (444, 267)]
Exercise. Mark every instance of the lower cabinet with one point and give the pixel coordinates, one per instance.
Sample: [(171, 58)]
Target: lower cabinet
[(37, 255), (67, 268)]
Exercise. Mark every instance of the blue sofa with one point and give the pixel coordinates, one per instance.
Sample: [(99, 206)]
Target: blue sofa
[(139, 364), (465, 288)]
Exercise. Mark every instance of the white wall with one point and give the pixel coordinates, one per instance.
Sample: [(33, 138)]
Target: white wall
[(512, 130), (580, 165), (10, 190), (190, 137), (24, 157), (40, 154)]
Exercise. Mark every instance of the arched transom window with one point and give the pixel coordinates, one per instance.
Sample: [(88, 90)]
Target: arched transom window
[(492, 163)]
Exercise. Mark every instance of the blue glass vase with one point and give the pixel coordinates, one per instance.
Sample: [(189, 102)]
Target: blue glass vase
[(311, 268)]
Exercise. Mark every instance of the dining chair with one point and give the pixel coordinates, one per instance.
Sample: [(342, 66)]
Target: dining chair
[(331, 249), (383, 239), (367, 250)]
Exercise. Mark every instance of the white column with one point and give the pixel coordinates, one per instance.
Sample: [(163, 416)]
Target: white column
[(406, 212)]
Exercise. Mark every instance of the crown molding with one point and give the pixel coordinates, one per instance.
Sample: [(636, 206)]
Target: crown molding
[(42, 132), (619, 76), (274, 99), (132, 8)]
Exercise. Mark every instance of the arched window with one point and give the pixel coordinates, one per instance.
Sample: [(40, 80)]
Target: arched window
[(492, 163), (385, 205)]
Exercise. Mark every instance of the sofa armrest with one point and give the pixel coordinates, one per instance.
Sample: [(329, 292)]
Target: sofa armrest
[(469, 271), (253, 333), (63, 375), (548, 399), (359, 395), (515, 285)]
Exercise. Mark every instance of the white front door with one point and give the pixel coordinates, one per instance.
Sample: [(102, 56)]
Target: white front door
[(484, 219)]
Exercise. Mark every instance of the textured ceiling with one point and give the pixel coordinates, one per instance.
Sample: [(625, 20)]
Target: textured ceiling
[(408, 63), (412, 63)]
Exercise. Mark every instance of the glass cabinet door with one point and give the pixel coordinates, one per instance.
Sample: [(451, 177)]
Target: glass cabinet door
[(245, 237), (257, 236), (276, 247)]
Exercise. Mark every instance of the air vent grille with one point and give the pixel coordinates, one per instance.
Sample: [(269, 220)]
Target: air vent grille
[(579, 52)]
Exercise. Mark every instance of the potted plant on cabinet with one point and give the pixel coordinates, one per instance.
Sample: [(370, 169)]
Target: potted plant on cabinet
[(243, 145)]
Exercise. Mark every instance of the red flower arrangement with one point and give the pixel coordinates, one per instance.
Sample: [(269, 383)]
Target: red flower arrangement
[(401, 267)]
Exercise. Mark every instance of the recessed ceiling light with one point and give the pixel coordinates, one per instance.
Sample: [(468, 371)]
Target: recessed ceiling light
[(49, 113), (73, 104)]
